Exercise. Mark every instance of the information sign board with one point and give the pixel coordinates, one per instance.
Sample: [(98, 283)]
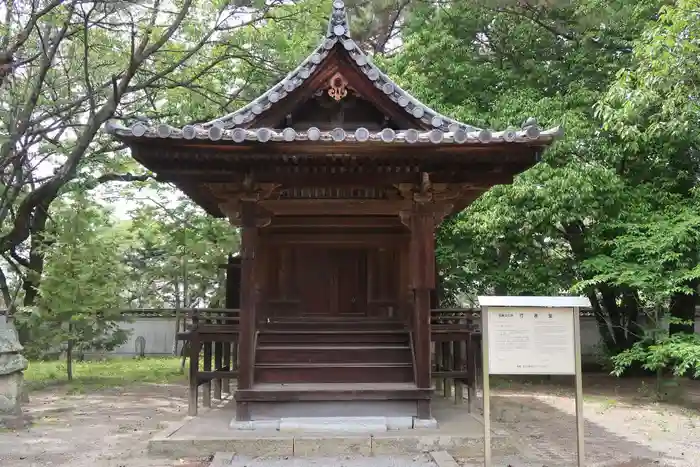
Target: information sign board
[(531, 336), (531, 341)]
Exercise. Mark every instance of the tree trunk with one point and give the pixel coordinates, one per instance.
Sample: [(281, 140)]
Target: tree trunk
[(682, 308), (69, 354), (35, 265), (616, 310)]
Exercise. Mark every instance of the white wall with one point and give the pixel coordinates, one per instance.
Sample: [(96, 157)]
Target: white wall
[(159, 334)]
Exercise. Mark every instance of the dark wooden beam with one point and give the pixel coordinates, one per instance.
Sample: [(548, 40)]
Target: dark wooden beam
[(339, 239), (480, 177), (299, 150), (335, 207), (356, 222)]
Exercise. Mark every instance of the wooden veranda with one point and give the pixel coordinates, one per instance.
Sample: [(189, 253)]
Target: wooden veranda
[(337, 179)]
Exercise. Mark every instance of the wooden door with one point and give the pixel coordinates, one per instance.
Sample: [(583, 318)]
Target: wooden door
[(315, 280), (350, 281), (333, 282)]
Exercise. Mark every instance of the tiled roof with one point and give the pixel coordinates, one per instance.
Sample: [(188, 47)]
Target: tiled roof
[(460, 135), (445, 129)]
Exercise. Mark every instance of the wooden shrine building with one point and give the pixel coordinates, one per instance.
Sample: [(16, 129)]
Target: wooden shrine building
[(337, 179)]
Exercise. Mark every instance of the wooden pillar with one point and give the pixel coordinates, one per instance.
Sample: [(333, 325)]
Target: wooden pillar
[(458, 350), (472, 371), (226, 382), (218, 366), (246, 350), (193, 397), (447, 366), (233, 302), (438, 366), (422, 262), (234, 354), (206, 399)]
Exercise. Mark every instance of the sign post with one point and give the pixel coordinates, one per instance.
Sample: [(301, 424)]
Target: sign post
[(531, 336)]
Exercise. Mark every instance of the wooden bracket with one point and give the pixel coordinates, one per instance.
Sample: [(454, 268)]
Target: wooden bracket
[(232, 209), (438, 211), (232, 195)]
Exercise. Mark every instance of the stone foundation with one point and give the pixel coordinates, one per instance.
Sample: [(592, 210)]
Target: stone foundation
[(335, 424)]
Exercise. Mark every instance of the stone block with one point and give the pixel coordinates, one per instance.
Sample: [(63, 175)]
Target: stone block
[(332, 446), (334, 424), (11, 393), (12, 363), (398, 444), (399, 423), (250, 447), (430, 423), (9, 343), (262, 447), (255, 425)]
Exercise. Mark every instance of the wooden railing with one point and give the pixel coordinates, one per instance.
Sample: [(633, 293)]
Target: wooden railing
[(456, 336), (213, 333), (211, 336)]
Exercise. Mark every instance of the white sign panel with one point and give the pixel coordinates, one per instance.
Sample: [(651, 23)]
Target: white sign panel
[(531, 341)]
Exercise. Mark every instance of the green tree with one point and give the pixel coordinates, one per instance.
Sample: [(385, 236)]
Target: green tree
[(653, 112), (83, 284), (67, 68), (499, 63), (176, 255)]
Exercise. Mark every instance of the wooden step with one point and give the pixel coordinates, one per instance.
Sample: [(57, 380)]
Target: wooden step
[(332, 392), (333, 354), (333, 373), (335, 324), (338, 337)]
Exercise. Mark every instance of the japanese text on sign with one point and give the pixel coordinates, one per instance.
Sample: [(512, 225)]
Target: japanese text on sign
[(536, 341)]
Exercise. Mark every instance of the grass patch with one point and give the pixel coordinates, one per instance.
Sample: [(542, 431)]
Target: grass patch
[(100, 374)]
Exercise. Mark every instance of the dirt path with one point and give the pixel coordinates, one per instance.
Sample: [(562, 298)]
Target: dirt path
[(111, 428), (624, 427), (103, 429)]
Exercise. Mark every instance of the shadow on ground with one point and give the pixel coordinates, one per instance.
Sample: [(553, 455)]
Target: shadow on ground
[(544, 429), (684, 393)]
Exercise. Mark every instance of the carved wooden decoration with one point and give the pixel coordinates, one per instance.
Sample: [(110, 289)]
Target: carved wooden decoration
[(231, 195), (337, 87)]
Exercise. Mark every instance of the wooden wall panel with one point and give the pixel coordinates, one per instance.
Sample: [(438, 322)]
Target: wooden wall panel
[(315, 279), (233, 283), (281, 290)]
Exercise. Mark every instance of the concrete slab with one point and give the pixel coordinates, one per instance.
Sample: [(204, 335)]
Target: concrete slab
[(259, 425), (277, 410), (458, 432), (419, 423), (367, 425), (222, 459), (399, 423), (443, 459), (323, 446), (341, 461)]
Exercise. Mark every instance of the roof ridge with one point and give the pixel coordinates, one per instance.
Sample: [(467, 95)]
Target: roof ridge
[(530, 133), (338, 22), (439, 128)]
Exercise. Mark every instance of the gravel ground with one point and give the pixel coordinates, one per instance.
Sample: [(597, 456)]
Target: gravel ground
[(624, 428)]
